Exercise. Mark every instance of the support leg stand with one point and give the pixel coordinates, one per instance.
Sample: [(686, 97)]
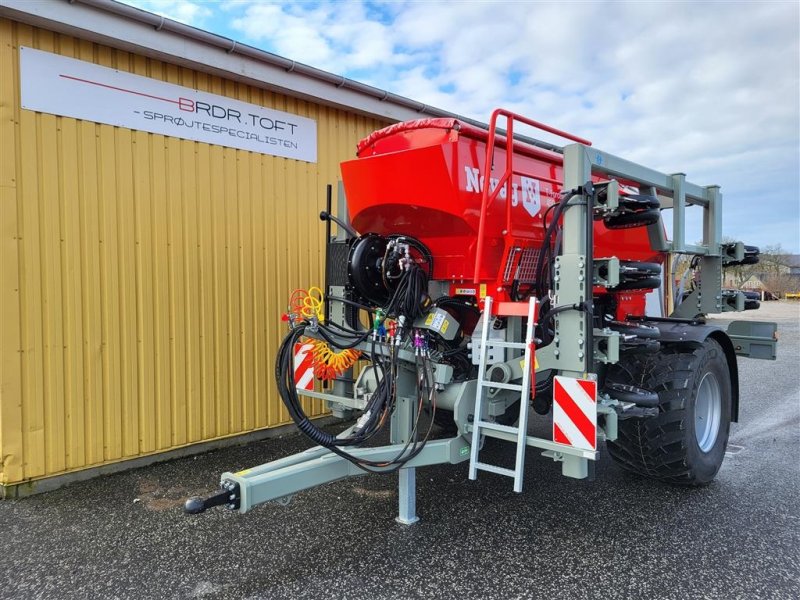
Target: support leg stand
[(407, 491)]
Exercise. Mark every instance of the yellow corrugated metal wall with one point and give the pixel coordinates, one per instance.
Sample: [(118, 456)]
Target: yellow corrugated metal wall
[(142, 277)]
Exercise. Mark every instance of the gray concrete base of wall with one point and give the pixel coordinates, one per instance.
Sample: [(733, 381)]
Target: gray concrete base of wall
[(11, 491)]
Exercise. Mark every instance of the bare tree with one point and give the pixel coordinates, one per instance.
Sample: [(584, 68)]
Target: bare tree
[(782, 283), (773, 265), (774, 261)]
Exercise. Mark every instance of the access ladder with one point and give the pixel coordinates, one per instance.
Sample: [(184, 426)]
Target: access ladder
[(504, 309)]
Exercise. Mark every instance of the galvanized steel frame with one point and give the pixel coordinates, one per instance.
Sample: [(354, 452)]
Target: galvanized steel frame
[(673, 192)]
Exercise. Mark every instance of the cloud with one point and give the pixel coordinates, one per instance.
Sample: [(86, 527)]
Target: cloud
[(709, 88), (339, 37), (191, 12)]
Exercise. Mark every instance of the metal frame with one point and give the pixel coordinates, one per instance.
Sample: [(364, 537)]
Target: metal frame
[(573, 352), (281, 479), (673, 191)]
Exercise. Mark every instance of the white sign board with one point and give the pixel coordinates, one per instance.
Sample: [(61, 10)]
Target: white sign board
[(74, 88)]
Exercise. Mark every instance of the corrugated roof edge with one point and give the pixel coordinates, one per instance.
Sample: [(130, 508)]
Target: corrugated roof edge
[(390, 106)]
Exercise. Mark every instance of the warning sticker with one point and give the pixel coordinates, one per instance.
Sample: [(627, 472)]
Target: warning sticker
[(435, 320), (575, 412)]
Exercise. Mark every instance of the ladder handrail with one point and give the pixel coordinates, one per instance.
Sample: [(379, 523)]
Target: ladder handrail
[(488, 196)]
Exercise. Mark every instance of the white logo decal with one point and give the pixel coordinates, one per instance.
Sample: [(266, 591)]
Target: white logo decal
[(530, 195)]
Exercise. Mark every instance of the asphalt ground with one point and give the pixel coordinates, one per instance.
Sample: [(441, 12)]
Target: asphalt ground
[(619, 536)]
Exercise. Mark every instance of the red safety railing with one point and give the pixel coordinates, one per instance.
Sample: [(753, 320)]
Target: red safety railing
[(488, 196)]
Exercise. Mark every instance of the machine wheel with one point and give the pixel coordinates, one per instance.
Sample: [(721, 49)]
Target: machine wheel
[(446, 421), (511, 415), (685, 443)]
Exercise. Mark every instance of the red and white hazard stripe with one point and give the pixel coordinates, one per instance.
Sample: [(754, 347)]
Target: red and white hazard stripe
[(304, 366), (575, 412)]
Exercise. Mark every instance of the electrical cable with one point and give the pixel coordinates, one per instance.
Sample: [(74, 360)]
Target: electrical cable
[(540, 286), (410, 301)]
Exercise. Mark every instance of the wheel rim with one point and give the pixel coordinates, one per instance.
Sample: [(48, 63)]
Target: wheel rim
[(707, 412)]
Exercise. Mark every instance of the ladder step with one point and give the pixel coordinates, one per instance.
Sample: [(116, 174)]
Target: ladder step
[(498, 427), (511, 309), (495, 469), (503, 386), (501, 344)]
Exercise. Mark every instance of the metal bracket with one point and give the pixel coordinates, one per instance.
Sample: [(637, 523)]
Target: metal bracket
[(606, 272), (689, 307), (571, 286), (754, 339), (707, 297), (606, 346), (732, 253), (606, 198), (606, 407), (732, 301), (571, 466)]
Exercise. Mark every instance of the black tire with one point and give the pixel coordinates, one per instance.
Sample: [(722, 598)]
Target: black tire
[(446, 420), (511, 415), (666, 446)]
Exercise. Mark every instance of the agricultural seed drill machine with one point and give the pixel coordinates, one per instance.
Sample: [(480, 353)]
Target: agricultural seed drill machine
[(476, 274)]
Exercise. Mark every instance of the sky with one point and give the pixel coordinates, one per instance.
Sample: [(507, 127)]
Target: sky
[(710, 89)]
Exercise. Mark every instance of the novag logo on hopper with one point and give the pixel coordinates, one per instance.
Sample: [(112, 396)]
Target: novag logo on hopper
[(529, 188)]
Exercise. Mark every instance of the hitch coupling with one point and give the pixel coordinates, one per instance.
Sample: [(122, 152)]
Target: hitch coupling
[(227, 495)]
